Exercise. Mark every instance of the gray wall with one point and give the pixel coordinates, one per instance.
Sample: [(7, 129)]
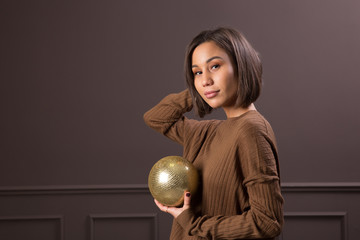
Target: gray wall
[(77, 76)]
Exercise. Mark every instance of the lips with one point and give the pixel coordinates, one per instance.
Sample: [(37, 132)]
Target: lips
[(211, 94)]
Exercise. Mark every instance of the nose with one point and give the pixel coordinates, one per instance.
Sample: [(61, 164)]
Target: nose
[(207, 80)]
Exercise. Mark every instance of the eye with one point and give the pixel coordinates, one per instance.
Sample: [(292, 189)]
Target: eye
[(197, 73), (215, 66)]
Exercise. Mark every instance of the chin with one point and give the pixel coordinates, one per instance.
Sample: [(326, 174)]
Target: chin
[(214, 105), (214, 102)]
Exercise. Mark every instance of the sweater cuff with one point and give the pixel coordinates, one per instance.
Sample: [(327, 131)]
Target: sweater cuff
[(185, 219)]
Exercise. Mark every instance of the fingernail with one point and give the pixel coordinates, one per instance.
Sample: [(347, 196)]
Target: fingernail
[(188, 194)]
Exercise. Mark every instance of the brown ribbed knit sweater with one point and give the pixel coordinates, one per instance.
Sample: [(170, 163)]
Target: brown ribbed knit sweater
[(237, 158)]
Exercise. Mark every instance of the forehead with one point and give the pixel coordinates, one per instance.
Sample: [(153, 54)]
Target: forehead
[(207, 50)]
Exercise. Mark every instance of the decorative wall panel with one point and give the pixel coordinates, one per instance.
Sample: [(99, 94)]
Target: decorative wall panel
[(123, 226), (315, 225), (31, 227)]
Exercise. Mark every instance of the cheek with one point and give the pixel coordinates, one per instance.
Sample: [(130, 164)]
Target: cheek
[(197, 86), (231, 82)]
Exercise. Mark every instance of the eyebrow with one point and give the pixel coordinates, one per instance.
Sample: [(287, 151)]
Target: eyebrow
[(209, 60)]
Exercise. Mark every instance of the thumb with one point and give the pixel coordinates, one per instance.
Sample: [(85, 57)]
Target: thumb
[(187, 199)]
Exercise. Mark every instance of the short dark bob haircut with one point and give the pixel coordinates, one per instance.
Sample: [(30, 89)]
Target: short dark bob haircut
[(246, 62)]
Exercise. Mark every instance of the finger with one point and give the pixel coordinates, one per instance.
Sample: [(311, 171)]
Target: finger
[(187, 199), (160, 206)]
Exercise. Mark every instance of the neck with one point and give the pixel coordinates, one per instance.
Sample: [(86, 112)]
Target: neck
[(238, 111)]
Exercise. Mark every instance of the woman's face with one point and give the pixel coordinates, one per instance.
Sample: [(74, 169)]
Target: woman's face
[(214, 76)]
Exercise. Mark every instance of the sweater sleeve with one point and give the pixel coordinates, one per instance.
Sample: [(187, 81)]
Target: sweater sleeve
[(263, 217), (263, 220), (167, 116)]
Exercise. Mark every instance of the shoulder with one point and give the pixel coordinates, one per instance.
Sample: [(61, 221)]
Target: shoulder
[(252, 125), (251, 121)]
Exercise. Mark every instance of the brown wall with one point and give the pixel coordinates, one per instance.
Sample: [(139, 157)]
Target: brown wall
[(77, 76)]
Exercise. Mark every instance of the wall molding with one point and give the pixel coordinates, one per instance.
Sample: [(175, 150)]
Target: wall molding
[(320, 187), (143, 188), (74, 189)]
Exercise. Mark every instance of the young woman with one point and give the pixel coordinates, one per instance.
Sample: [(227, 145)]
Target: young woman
[(240, 196)]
